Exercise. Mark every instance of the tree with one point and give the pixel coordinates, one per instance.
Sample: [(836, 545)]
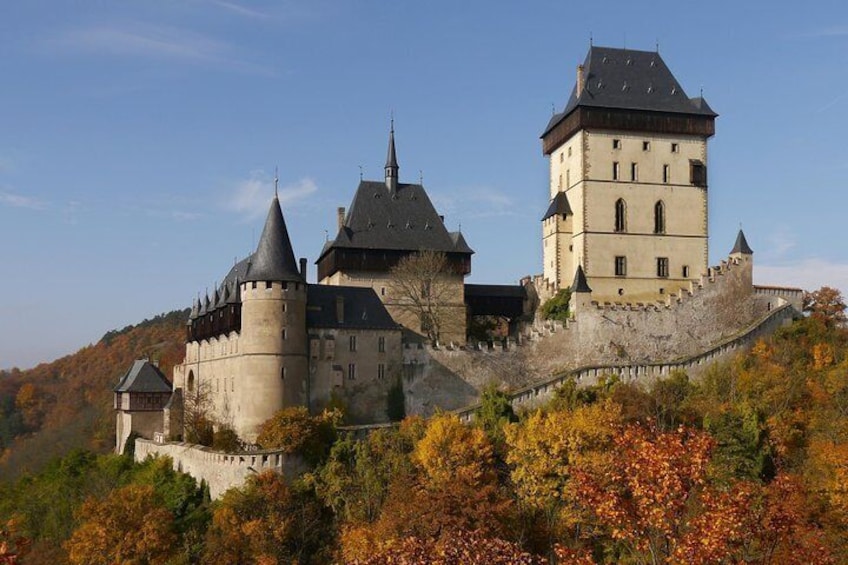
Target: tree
[(294, 430), (197, 419), (13, 546), (423, 288), (269, 522), (827, 305), (556, 307), (130, 525), (494, 413)]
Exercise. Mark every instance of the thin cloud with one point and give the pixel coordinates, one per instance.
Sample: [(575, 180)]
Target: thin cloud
[(156, 42), (251, 196), (20, 201), (240, 10), (809, 274)]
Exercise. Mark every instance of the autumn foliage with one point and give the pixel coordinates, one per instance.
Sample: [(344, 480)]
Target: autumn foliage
[(748, 464)]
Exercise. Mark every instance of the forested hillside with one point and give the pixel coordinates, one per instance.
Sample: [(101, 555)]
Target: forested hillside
[(747, 465), (55, 407)]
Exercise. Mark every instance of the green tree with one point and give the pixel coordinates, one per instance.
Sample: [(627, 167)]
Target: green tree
[(556, 307)]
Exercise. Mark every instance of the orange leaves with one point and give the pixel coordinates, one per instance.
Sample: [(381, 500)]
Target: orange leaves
[(13, 546), (129, 525)]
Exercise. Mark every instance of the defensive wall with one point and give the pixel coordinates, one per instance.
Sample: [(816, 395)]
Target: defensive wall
[(221, 471), (721, 308)]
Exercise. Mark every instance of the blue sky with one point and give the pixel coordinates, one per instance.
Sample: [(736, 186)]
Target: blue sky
[(139, 138)]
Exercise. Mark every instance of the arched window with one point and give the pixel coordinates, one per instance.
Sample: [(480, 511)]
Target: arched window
[(620, 215), (191, 381), (659, 217)]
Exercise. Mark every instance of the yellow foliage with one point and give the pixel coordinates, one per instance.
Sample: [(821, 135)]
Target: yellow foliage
[(450, 451)]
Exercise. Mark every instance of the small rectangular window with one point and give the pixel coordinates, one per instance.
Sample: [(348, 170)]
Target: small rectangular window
[(646, 146), (666, 173), (381, 371), (675, 148), (697, 173), (351, 371), (615, 170), (285, 333), (381, 344), (382, 291), (253, 285), (616, 144), (685, 271), (561, 157), (353, 343), (634, 171), (559, 182), (567, 178), (569, 151), (662, 267), (621, 266)]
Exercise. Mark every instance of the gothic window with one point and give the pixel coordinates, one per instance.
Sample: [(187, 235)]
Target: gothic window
[(620, 216), (621, 266), (191, 381), (662, 267), (659, 217)]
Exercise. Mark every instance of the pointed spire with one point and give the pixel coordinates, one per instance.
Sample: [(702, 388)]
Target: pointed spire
[(276, 182), (274, 258), (741, 245), (391, 161), (580, 284)]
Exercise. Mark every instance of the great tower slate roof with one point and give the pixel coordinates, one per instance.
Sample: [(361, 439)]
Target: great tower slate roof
[(143, 376), (630, 80), (404, 220), (274, 259)]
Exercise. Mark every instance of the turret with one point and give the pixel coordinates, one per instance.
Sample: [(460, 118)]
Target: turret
[(391, 162), (744, 256), (273, 330), (581, 294)]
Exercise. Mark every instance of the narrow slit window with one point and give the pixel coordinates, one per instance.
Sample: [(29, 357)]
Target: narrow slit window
[(620, 216)]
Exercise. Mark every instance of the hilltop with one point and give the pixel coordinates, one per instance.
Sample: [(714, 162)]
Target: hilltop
[(55, 407)]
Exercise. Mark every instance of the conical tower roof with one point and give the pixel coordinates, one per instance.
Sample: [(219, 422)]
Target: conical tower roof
[(580, 284), (741, 245), (274, 258)]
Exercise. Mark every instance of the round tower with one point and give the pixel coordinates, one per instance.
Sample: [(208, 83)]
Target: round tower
[(273, 343)]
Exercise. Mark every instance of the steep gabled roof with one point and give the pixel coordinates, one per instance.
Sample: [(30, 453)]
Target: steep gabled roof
[(274, 259), (580, 284), (559, 205), (403, 221), (741, 245), (630, 80), (143, 376), (362, 308)]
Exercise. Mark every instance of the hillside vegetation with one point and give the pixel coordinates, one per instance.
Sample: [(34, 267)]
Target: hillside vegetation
[(55, 407)]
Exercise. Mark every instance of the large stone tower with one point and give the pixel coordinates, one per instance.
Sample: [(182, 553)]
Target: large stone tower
[(273, 330), (628, 179)]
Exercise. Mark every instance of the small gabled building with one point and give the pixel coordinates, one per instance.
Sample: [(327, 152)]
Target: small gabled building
[(140, 398), (386, 222)]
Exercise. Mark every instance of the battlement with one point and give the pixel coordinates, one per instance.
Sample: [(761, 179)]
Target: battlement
[(221, 471), (272, 290)]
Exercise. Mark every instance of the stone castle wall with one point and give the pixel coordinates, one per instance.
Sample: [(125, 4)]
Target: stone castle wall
[(221, 471)]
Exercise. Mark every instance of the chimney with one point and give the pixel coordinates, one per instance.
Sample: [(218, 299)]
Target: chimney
[(581, 82), (303, 268), (341, 213), (340, 308)]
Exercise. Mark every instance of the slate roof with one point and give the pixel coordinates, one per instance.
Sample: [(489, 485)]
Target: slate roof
[(580, 284), (274, 259), (402, 221), (495, 290), (741, 245), (559, 205), (143, 376), (630, 80), (362, 308)]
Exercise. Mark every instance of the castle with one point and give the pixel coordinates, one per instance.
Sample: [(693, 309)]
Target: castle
[(625, 231)]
